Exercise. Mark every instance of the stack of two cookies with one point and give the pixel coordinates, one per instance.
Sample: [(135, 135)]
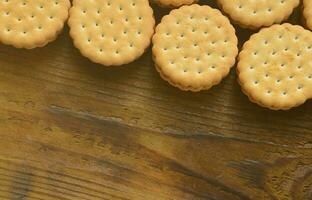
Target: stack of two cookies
[(31, 24)]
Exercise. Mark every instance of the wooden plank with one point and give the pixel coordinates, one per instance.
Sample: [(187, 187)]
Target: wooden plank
[(71, 129)]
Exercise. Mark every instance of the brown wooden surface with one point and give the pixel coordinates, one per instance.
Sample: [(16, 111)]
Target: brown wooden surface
[(71, 129)]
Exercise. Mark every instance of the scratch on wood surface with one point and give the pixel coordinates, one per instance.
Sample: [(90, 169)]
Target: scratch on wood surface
[(84, 114), (171, 132)]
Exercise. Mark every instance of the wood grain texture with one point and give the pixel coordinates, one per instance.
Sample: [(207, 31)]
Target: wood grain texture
[(71, 129)]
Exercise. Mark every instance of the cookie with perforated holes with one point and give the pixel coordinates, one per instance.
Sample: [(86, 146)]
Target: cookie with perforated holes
[(307, 13), (254, 14), (111, 32), (30, 24), (275, 67), (194, 47), (174, 3)]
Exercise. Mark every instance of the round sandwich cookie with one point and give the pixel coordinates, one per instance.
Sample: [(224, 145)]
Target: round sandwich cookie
[(32, 23), (111, 32), (254, 14), (194, 47), (174, 3), (307, 13), (275, 67)]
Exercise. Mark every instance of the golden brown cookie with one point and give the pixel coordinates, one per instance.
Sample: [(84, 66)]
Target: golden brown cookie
[(111, 32), (275, 67), (307, 13), (30, 24), (174, 3), (254, 14), (194, 47)]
